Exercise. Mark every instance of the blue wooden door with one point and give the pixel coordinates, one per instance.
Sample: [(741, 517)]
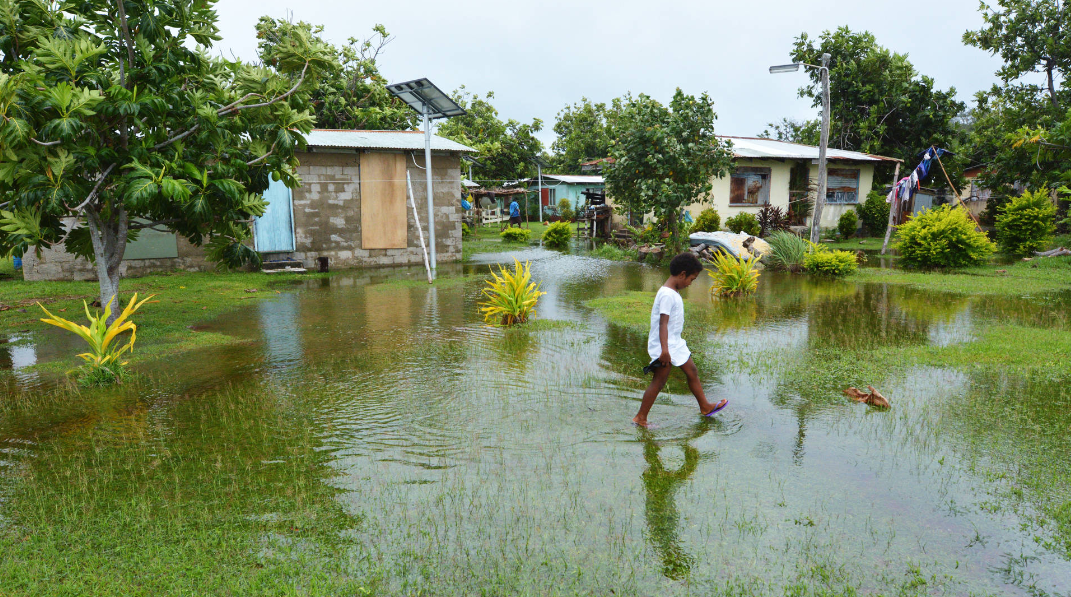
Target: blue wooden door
[(274, 231)]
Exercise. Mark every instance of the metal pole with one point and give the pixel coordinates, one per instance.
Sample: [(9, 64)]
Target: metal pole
[(427, 170), (820, 200), (539, 174)]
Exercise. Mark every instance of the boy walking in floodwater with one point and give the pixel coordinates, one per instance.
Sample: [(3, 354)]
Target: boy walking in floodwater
[(664, 342)]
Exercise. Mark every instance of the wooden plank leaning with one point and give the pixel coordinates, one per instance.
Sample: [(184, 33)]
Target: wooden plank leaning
[(420, 231)]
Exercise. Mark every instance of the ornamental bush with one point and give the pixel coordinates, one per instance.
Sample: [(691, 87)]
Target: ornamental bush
[(565, 210), (744, 222), (874, 212), (848, 224), (557, 235), (707, 221), (1026, 223), (942, 237), (829, 263), (466, 231), (516, 235)]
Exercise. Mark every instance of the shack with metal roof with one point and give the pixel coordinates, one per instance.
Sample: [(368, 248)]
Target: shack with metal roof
[(784, 175), (352, 208), (353, 204)]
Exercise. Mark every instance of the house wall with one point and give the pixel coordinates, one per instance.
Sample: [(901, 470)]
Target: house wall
[(831, 212), (572, 192), (327, 212), (780, 173), (327, 222), (57, 264)]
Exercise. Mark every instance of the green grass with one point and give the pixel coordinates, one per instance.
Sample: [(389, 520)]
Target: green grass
[(613, 253), (254, 512), (486, 239), (1019, 278), (182, 299)]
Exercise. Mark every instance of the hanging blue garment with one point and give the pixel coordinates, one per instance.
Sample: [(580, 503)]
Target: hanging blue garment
[(465, 205), (687, 217)]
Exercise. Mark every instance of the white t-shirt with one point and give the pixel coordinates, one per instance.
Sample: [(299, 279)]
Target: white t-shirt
[(668, 302)]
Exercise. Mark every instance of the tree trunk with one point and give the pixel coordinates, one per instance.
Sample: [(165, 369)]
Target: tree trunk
[(109, 244), (672, 219), (1052, 88)]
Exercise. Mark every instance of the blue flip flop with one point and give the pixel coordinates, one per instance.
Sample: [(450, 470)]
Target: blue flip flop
[(717, 408)]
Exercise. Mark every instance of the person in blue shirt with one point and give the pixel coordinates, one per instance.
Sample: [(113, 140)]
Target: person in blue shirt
[(514, 213)]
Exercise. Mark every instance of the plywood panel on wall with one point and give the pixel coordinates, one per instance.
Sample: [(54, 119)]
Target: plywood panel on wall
[(383, 218)]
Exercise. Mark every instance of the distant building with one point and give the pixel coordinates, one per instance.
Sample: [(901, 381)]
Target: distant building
[(352, 207), (564, 186)]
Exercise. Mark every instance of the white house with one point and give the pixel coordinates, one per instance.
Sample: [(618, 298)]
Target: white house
[(763, 171)]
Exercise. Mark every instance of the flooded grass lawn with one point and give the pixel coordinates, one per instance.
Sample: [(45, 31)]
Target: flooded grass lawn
[(369, 435)]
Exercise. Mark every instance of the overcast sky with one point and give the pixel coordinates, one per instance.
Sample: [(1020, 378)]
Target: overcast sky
[(539, 56)]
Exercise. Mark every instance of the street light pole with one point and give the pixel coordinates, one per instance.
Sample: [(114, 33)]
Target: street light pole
[(427, 170), (820, 199)]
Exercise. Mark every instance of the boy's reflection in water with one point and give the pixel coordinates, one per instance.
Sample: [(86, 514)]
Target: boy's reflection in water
[(663, 520)]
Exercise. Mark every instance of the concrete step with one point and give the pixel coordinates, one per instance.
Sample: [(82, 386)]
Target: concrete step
[(286, 270), (281, 264)]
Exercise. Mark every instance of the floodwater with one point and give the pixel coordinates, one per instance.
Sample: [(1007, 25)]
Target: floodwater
[(462, 458)]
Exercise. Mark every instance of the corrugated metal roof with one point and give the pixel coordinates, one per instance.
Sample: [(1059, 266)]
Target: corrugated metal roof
[(403, 140), (575, 178), (564, 178), (750, 147)]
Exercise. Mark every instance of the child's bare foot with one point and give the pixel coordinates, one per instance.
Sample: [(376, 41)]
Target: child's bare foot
[(715, 408), (640, 422)]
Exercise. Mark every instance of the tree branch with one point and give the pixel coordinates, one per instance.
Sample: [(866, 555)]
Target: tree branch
[(263, 157), (93, 193), (301, 79), (126, 33), (177, 137), (45, 144), (232, 108)]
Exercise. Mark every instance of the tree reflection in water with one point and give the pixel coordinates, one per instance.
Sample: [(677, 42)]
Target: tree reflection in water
[(663, 519)]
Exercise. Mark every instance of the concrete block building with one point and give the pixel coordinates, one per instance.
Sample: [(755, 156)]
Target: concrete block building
[(352, 207)]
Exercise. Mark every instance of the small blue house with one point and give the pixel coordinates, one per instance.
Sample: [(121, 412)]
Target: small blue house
[(567, 186)]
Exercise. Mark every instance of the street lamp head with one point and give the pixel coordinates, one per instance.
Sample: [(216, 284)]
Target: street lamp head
[(785, 68)]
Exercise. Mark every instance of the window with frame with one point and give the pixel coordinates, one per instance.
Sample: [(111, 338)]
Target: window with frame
[(749, 186), (842, 186)]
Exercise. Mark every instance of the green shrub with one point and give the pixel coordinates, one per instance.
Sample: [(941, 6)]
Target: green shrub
[(565, 210), (731, 276), (516, 235), (466, 231), (829, 263), (708, 220), (786, 251), (942, 237), (558, 234), (874, 212), (848, 224), (743, 222), (1026, 224)]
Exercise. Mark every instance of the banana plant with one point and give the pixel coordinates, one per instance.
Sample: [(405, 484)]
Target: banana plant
[(105, 348)]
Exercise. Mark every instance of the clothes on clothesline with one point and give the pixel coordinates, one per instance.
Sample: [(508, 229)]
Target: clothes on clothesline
[(907, 186)]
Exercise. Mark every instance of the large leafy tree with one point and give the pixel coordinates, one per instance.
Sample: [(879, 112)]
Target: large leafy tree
[(665, 157), (507, 149), (1021, 130), (350, 93), (879, 103), (114, 119), (807, 132), (584, 132), (1031, 36)]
